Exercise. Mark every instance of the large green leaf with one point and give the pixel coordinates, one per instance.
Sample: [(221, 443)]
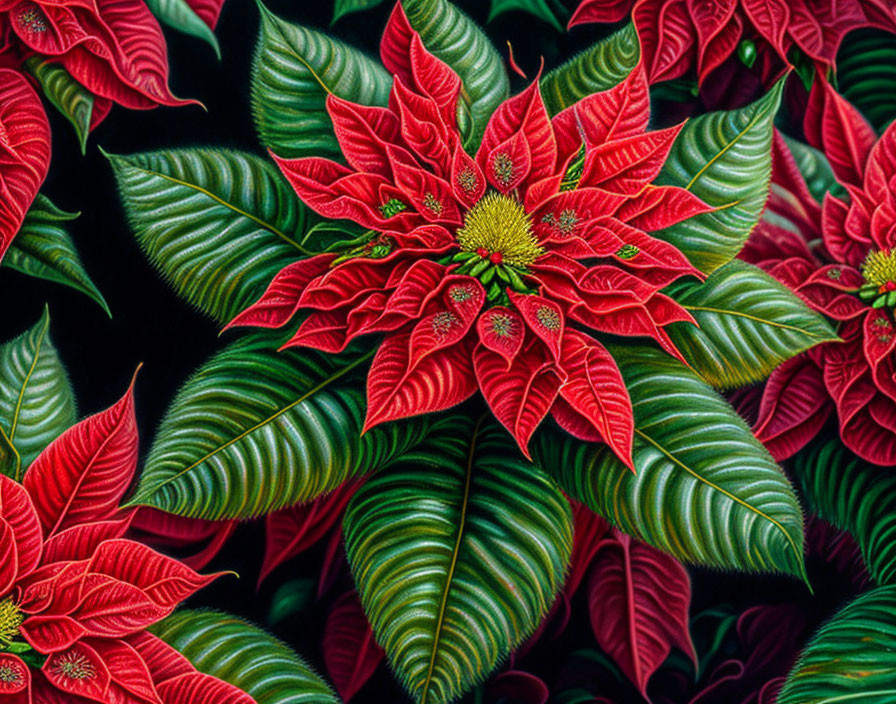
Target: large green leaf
[(705, 490), (725, 159), (749, 324), (68, 96), (295, 68), (254, 430), (551, 12), (217, 224), (596, 69), (179, 15), (850, 659), (455, 39), (247, 657), (866, 74), (43, 249), (36, 399), (458, 549), (855, 496)]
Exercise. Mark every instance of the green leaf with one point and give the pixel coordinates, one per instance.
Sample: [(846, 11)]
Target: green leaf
[(291, 598), (247, 657), (217, 224), (724, 158), (43, 249), (458, 549), (813, 166), (866, 71), (254, 430), (539, 8), (36, 400), (855, 496), (68, 96), (749, 324), (596, 69), (179, 15), (455, 39), (850, 659), (345, 7), (705, 490), (294, 70), (10, 461)]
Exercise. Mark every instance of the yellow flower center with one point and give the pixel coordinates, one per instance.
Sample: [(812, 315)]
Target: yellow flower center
[(499, 225), (879, 267), (10, 620)]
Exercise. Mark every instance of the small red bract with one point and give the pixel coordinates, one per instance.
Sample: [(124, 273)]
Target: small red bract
[(484, 272)]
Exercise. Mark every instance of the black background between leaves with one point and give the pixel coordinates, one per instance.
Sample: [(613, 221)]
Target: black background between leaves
[(151, 325)]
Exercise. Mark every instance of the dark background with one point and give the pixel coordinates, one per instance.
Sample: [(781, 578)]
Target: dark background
[(151, 325)]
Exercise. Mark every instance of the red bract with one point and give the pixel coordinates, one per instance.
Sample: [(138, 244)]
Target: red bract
[(850, 276), (24, 152), (678, 36), (484, 272), (75, 597)]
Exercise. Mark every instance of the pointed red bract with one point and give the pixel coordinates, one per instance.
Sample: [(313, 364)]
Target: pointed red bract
[(83, 475), (24, 152), (639, 599)]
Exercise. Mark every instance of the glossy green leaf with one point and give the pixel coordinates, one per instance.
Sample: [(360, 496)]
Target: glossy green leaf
[(68, 96), (36, 399), (458, 549), (217, 224), (43, 249), (551, 12), (813, 166), (596, 69), (295, 68), (454, 38), (724, 158), (247, 657), (748, 324), (291, 598), (254, 430), (705, 490), (866, 72), (850, 659), (341, 8), (855, 496), (179, 15)]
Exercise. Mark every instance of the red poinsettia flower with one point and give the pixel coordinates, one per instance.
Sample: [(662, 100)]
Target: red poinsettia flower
[(484, 272), (678, 36), (841, 259), (75, 597)]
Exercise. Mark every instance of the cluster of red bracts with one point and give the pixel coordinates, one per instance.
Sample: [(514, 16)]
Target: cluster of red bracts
[(485, 272), (75, 596), (700, 36), (833, 255), (113, 48)]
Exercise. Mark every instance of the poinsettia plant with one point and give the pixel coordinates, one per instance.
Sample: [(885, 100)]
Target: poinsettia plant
[(436, 268)]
